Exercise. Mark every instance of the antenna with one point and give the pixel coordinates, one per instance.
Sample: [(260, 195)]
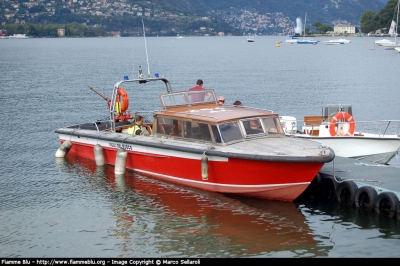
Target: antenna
[(133, 60), (145, 44)]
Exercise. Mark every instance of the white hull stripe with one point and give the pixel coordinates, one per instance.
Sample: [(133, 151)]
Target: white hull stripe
[(216, 184)]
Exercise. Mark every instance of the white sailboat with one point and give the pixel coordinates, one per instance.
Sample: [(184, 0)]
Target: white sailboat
[(393, 31), (305, 40)]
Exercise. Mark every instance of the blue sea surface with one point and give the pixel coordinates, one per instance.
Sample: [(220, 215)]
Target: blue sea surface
[(70, 208)]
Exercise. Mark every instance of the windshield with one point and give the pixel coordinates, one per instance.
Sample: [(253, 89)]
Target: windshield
[(230, 131), (187, 97)]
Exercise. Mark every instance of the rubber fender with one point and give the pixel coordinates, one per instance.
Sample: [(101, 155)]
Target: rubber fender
[(317, 180), (328, 187), (386, 202), (345, 192), (398, 211), (365, 198)]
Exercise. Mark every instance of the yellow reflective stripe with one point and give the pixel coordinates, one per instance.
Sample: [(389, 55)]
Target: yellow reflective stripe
[(130, 130), (118, 108)]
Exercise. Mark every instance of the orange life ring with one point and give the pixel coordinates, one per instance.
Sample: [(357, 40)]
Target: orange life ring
[(348, 118), (122, 95)]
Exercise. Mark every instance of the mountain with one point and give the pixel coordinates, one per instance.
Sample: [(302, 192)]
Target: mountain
[(325, 11), (184, 17), (278, 16)]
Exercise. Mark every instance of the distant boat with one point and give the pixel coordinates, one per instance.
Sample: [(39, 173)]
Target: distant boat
[(292, 40), (18, 36), (250, 39), (380, 42), (178, 36), (337, 41), (307, 41)]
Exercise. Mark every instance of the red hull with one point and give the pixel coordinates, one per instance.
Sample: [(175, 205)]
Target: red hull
[(262, 179)]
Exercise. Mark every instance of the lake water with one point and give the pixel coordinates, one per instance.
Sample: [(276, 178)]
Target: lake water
[(71, 208)]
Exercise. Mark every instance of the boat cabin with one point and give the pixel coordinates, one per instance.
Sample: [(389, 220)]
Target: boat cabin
[(196, 116), (319, 125), (330, 110)]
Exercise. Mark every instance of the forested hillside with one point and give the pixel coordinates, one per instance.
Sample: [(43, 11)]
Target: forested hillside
[(43, 18)]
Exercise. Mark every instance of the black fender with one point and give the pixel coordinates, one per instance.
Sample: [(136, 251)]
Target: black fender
[(398, 211), (328, 187), (365, 198), (386, 202), (345, 192)]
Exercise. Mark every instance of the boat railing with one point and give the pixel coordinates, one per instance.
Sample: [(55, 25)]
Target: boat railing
[(139, 81), (378, 127), (381, 127)]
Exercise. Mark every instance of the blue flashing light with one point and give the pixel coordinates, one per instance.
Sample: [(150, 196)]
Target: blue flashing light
[(156, 75), (126, 77)]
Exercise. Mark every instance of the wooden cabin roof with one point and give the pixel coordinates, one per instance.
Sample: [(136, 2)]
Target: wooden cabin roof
[(213, 113)]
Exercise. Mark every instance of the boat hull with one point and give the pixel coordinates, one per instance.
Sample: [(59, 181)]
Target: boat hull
[(367, 149), (277, 179)]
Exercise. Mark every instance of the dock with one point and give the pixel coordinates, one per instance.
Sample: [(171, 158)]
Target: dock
[(372, 186)]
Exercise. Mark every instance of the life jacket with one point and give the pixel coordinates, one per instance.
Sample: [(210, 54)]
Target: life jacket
[(135, 130)]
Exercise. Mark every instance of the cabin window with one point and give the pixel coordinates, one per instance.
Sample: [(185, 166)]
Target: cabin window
[(272, 125), (230, 131), (177, 128), (216, 134), (164, 126), (252, 126), (194, 130), (168, 126)]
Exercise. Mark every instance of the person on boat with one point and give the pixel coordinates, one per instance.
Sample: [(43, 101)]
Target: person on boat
[(198, 97), (237, 103), (221, 100), (136, 128)]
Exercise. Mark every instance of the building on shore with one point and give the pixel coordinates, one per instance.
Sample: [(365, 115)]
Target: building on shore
[(344, 29)]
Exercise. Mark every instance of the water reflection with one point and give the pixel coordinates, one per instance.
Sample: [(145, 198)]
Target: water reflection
[(153, 218), (327, 210)]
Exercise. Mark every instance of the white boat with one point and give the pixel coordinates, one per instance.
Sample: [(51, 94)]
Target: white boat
[(292, 40), (380, 42), (250, 39), (307, 41), (391, 44), (367, 141), (397, 49), (337, 41), (18, 36)]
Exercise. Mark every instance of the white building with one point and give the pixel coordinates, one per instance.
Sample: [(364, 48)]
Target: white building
[(344, 29)]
